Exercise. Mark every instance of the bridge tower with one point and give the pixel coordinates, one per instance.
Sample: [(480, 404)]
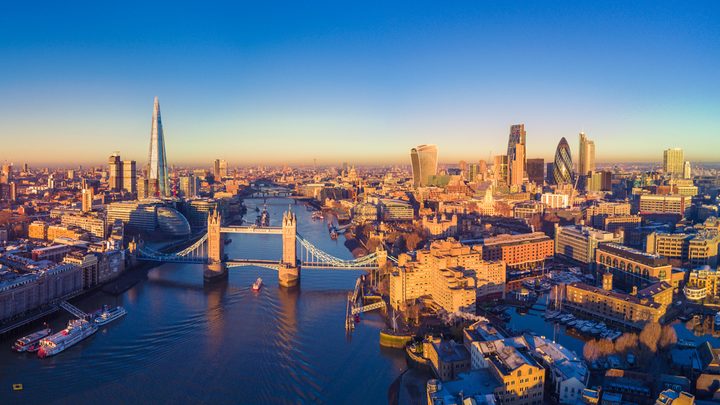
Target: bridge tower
[(216, 256), (289, 272)]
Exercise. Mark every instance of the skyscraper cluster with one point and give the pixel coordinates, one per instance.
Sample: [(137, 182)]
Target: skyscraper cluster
[(424, 160)]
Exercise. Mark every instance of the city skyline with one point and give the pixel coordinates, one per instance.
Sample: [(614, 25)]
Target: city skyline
[(318, 84)]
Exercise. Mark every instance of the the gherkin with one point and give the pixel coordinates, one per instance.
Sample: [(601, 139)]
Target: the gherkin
[(563, 167)]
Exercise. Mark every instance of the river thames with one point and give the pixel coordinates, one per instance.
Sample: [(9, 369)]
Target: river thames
[(184, 342)]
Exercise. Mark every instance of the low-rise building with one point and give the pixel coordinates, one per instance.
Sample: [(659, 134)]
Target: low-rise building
[(631, 266), (664, 204), (634, 309), (523, 251), (703, 283), (447, 357), (579, 242)]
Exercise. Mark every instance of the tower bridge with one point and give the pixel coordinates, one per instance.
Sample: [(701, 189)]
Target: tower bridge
[(209, 250)]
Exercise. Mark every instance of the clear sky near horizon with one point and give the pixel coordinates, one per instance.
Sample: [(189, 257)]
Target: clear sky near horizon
[(363, 82)]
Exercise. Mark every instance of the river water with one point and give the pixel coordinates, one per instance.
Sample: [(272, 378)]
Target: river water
[(184, 342)]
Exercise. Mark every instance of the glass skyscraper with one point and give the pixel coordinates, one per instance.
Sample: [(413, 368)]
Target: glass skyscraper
[(157, 172), (563, 166), (424, 160)]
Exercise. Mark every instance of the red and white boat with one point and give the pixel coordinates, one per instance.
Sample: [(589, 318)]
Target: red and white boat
[(257, 284), (31, 342)]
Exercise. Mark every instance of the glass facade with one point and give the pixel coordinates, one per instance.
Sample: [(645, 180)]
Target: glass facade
[(563, 166), (157, 160)]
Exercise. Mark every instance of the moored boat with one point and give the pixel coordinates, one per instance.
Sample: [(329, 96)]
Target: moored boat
[(107, 315), (76, 331), (30, 343)]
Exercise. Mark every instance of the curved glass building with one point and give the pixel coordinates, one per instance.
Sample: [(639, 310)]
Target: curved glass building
[(424, 160), (172, 223), (563, 167)]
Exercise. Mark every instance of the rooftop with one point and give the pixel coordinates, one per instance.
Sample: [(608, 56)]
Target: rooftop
[(648, 259)]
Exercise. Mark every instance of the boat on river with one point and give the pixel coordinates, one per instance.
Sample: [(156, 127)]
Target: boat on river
[(257, 284), (76, 331), (31, 342), (107, 315)]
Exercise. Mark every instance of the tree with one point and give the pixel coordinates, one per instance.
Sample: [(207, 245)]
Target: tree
[(591, 350), (412, 240), (650, 335), (668, 337), (606, 347), (627, 342)]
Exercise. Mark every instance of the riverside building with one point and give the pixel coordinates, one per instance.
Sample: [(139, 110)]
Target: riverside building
[(523, 251)]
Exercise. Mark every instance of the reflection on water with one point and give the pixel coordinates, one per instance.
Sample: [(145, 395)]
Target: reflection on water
[(183, 341)]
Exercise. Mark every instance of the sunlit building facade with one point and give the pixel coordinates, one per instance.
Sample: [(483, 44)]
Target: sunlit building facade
[(563, 166), (424, 160), (157, 171)]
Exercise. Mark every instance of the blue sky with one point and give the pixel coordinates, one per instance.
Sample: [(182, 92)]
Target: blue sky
[(363, 82)]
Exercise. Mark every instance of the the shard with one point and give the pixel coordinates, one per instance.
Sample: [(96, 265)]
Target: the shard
[(157, 172)]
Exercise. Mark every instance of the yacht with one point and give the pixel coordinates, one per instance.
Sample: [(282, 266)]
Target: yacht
[(257, 284), (76, 331), (30, 343), (107, 315)]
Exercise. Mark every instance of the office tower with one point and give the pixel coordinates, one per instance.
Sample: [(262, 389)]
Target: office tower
[(563, 166), (51, 182), (71, 174), (483, 169), (516, 155), (13, 191), (536, 171), (6, 175), (26, 168), (157, 173), (500, 169), (673, 162), (142, 188), (518, 166), (189, 185), (424, 161), (220, 170), (586, 157), (115, 176), (687, 170), (599, 181), (473, 172), (129, 176), (549, 176), (87, 199)]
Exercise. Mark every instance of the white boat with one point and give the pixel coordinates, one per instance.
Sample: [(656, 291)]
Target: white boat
[(30, 343), (717, 319), (107, 315), (257, 284), (586, 328), (77, 330)]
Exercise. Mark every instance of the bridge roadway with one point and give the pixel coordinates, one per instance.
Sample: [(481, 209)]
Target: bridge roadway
[(269, 230), (275, 264)]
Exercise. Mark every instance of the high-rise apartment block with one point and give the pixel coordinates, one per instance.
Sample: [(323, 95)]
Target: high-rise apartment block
[(87, 199), (673, 162)]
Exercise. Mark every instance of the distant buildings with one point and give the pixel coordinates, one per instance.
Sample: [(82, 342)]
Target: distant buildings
[(157, 171), (148, 217), (563, 165), (673, 162), (424, 160), (220, 169)]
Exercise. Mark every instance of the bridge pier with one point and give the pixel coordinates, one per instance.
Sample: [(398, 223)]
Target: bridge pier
[(288, 276), (216, 271)]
